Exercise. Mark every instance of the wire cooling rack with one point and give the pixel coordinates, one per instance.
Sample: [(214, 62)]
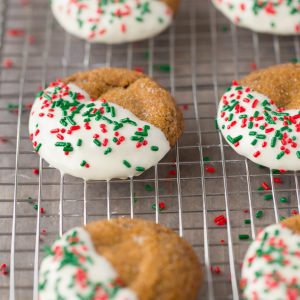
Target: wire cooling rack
[(199, 180)]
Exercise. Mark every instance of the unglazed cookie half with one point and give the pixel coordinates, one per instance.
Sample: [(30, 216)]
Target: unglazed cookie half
[(114, 21), (103, 124), (271, 266), (259, 117), (120, 259), (268, 16)]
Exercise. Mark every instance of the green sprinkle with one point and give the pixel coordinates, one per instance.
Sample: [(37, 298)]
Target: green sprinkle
[(259, 214), (113, 112), (90, 105), (280, 155), (216, 124), (149, 187), (108, 150), (163, 67), (247, 221), (153, 206), (38, 147), (140, 169), (234, 140), (206, 158), (126, 163), (141, 133), (154, 148), (283, 200), (83, 163), (79, 142), (71, 121), (273, 142), (60, 144), (298, 154), (254, 142), (268, 197), (97, 142), (261, 136), (244, 236), (35, 206)]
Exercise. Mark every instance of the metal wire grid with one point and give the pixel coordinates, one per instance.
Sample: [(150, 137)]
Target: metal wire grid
[(205, 53)]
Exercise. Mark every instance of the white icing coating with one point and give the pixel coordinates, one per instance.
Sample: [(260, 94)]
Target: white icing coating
[(90, 160), (277, 17), (250, 120), (74, 270), (271, 268), (112, 22)]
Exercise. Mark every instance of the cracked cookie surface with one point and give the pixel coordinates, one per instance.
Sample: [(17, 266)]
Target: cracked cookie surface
[(104, 123)]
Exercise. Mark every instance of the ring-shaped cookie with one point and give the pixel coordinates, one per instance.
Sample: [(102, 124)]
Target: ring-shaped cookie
[(259, 117), (104, 123)]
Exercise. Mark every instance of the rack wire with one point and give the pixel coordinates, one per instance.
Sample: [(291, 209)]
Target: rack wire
[(195, 59)]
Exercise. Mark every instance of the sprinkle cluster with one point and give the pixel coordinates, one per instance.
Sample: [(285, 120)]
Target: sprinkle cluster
[(72, 270), (251, 121), (80, 117), (125, 10), (271, 266), (239, 10)]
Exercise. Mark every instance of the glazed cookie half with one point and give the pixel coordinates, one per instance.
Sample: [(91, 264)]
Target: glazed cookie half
[(104, 123), (114, 21), (272, 263), (259, 116), (269, 16), (120, 259)]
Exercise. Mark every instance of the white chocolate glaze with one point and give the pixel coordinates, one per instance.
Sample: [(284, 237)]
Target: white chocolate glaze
[(271, 268), (257, 129), (112, 22), (269, 16), (74, 270), (92, 139)]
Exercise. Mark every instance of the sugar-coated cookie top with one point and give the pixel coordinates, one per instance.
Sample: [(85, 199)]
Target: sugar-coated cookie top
[(256, 128), (74, 270), (271, 269), (111, 21), (270, 16), (92, 139)]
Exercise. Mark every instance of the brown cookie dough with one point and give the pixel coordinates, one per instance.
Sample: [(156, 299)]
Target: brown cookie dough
[(151, 259), (135, 92), (280, 83), (293, 223), (173, 4)]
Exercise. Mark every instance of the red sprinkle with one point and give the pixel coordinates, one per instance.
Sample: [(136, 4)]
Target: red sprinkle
[(210, 169), (162, 205), (36, 171), (172, 172), (278, 180), (7, 63), (16, 32), (220, 220), (265, 186)]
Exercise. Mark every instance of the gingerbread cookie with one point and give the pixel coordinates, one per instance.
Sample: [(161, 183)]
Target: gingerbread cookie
[(259, 117), (105, 123), (269, 16), (120, 259), (271, 269), (114, 21)]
